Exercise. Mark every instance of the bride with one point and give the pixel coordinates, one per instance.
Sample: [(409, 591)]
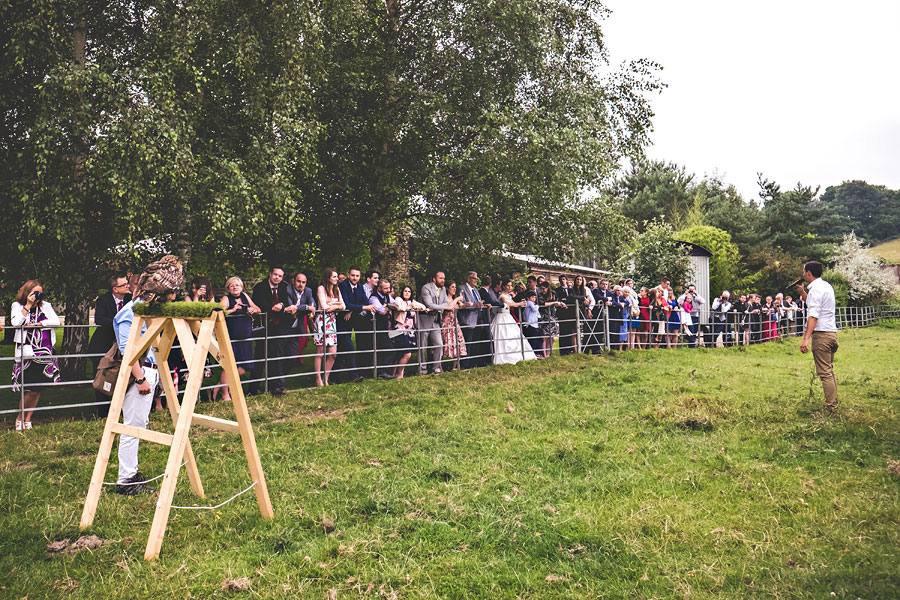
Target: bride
[(510, 346)]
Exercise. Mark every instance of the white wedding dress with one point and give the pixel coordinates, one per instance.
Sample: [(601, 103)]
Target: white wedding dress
[(510, 346)]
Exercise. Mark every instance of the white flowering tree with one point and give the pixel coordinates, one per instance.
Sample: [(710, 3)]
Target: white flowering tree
[(869, 283)]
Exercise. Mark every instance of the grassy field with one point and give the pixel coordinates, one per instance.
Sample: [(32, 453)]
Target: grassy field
[(664, 474), (889, 251)]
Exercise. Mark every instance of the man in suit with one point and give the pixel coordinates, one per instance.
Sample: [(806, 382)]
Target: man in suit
[(271, 296), (364, 325), (357, 302), (384, 359), (434, 297), (566, 316), (104, 337), (302, 305), (472, 322)]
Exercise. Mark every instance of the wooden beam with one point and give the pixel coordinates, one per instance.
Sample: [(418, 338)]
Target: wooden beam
[(179, 441), (243, 419), (216, 423), (144, 434), (155, 326), (106, 440), (214, 349), (167, 340)]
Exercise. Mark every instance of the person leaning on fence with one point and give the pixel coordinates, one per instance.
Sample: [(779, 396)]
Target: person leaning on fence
[(403, 330), (239, 310), (271, 296), (303, 306), (451, 333), (431, 346), (158, 283), (381, 299), (720, 309), (326, 336), (469, 317), (821, 329), (106, 307), (34, 320)]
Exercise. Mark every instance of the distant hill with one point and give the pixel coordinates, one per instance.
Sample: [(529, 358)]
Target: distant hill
[(890, 251)]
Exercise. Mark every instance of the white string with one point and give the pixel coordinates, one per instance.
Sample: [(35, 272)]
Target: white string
[(139, 482), (217, 505)]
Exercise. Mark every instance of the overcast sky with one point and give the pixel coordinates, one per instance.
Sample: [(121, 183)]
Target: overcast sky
[(799, 90)]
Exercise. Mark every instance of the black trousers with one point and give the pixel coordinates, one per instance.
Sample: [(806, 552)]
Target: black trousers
[(365, 341), (275, 354), (345, 362)]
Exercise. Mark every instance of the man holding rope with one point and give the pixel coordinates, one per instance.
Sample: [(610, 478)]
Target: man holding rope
[(821, 328)]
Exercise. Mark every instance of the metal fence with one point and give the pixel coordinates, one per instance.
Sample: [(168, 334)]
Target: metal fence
[(373, 346)]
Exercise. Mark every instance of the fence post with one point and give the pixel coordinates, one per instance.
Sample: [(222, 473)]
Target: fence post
[(374, 347), (577, 327), (522, 336), (606, 343), (266, 353), (21, 349)]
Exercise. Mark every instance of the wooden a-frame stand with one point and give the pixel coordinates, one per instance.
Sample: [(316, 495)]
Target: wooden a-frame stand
[(161, 334)]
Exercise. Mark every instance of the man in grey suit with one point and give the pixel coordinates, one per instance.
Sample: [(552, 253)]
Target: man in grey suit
[(434, 297), (469, 317)]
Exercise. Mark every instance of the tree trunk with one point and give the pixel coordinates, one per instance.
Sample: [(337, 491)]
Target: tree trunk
[(77, 307), (75, 339)]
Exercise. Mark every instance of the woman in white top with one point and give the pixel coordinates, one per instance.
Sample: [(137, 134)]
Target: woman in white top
[(34, 320), (510, 345), (403, 328)]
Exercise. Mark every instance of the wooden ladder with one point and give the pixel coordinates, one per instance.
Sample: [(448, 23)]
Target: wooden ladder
[(197, 337)]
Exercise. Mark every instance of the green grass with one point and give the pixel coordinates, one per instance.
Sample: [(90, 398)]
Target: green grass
[(890, 251), (660, 474)]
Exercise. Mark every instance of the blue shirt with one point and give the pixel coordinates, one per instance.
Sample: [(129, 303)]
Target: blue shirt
[(532, 314), (122, 326)]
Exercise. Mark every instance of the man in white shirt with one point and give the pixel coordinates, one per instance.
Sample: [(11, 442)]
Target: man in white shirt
[(821, 328)]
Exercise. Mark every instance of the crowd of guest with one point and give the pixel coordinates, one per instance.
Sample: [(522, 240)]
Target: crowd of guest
[(363, 326)]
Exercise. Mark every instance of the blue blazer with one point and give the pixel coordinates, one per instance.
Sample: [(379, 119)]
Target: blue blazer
[(353, 300)]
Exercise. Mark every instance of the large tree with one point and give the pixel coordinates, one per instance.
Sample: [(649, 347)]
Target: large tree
[(872, 211), (656, 190), (478, 122), (132, 120)]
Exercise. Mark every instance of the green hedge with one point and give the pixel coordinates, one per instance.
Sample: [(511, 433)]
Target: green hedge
[(177, 309)]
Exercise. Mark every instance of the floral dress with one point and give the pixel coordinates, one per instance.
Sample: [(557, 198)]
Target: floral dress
[(449, 330), (326, 327)]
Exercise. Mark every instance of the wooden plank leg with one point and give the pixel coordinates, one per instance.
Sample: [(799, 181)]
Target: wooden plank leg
[(106, 442), (243, 418), (165, 377), (179, 442)]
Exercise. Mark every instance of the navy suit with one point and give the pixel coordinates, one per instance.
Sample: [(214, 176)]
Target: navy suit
[(354, 299), (277, 350)]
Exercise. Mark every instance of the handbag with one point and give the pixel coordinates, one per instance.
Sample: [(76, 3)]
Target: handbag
[(24, 352), (108, 371)]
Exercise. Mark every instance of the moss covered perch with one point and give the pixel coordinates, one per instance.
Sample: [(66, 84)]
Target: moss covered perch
[(184, 310)]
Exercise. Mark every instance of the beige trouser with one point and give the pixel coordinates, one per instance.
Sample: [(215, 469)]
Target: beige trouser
[(824, 345)]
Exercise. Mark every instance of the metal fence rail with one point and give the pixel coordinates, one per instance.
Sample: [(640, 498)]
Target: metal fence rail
[(377, 353)]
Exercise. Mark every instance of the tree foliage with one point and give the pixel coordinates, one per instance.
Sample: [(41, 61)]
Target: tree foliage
[(656, 254), (868, 282), (724, 265), (655, 190), (871, 211)]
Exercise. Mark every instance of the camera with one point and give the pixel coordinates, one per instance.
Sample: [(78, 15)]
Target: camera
[(38, 296)]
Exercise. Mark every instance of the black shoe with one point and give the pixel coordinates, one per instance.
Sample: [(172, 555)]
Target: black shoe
[(279, 392), (134, 487)]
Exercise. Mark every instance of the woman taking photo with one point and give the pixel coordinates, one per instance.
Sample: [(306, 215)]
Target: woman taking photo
[(325, 336), (238, 309), (35, 363)]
